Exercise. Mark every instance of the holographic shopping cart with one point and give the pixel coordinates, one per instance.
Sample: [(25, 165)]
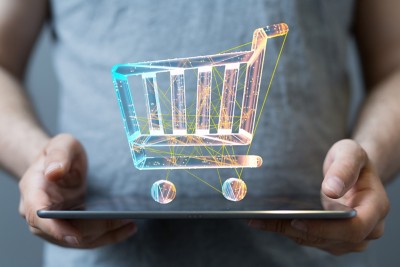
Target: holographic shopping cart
[(152, 131)]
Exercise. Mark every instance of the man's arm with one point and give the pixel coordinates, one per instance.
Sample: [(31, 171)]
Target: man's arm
[(52, 171), (378, 128), (355, 169), (21, 137)]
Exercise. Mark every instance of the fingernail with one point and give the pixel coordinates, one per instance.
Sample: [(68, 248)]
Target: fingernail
[(334, 184), (299, 225), (52, 167), (72, 240)]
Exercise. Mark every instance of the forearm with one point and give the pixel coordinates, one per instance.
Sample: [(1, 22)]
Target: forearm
[(378, 126), (21, 137)]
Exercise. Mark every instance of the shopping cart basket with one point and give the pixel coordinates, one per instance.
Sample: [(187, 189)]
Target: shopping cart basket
[(155, 137)]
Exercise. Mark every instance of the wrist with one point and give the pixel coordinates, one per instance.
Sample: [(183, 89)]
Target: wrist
[(27, 149), (39, 140)]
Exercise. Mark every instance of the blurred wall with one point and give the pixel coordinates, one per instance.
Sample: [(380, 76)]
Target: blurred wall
[(19, 248)]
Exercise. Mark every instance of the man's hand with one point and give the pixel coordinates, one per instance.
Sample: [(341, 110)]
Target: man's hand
[(57, 178), (351, 180)]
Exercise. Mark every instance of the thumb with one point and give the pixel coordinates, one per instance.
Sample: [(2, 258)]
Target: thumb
[(342, 167), (59, 155)]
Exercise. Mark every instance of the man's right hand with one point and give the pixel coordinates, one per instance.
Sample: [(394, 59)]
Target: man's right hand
[(57, 178)]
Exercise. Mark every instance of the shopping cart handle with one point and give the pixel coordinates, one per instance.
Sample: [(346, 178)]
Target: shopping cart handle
[(276, 30)]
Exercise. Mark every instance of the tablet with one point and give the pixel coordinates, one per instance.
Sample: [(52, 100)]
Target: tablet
[(207, 207)]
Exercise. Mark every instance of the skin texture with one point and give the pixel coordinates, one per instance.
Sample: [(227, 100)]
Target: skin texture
[(58, 177), (351, 179), (52, 170), (354, 170)]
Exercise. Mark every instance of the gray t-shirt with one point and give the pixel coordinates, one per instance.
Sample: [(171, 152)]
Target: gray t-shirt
[(306, 113)]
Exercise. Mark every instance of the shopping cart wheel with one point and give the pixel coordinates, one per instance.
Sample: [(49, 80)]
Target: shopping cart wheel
[(163, 191), (234, 189)]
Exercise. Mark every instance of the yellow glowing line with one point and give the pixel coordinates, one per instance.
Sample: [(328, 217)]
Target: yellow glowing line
[(234, 48), (203, 181), (219, 177), (167, 176)]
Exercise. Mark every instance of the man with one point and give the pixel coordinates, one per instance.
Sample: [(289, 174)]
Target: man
[(92, 36)]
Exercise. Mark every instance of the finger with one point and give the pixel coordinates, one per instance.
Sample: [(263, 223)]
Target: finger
[(343, 165), (34, 198), (59, 231), (298, 233), (60, 153), (68, 233), (93, 229), (54, 230), (115, 236), (70, 244), (314, 231), (285, 228), (354, 230), (306, 238), (272, 225), (80, 233), (335, 248), (371, 207)]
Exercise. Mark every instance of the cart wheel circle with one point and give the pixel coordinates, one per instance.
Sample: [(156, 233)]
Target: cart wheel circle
[(163, 191), (234, 189)]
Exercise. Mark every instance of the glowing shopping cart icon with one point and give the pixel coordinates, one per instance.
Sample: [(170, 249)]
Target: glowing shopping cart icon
[(166, 131)]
